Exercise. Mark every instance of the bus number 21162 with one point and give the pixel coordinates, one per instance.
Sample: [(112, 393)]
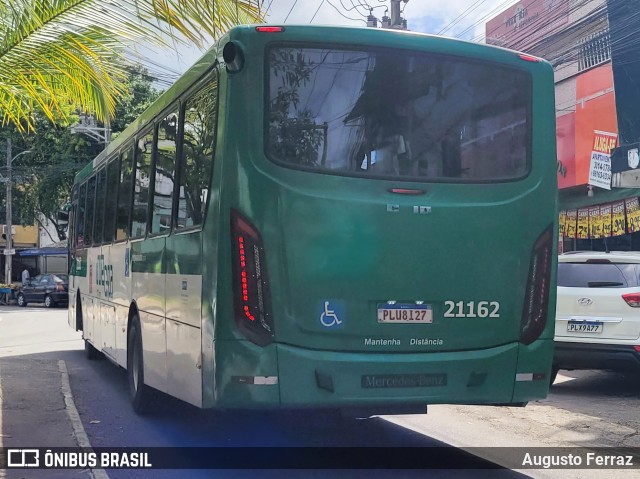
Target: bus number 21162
[(471, 309)]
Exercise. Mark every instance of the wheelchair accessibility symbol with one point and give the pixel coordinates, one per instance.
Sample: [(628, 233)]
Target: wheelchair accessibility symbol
[(332, 314)]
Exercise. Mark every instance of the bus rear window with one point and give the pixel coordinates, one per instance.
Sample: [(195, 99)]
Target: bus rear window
[(387, 114)]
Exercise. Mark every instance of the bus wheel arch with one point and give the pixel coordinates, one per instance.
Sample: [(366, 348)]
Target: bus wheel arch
[(90, 351)]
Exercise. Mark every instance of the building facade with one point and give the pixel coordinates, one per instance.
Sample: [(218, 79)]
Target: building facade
[(575, 37)]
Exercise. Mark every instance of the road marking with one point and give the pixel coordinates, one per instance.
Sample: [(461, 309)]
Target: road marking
[(74, 416)]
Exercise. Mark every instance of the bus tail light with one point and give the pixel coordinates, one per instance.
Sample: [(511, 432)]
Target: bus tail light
[(252, 305), (529, 58), (270, 29), (536, 303)]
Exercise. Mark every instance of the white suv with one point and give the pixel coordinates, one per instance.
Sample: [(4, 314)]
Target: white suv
[(598, 312)]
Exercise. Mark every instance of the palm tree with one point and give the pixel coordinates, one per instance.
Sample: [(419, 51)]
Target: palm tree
[(58, 55)]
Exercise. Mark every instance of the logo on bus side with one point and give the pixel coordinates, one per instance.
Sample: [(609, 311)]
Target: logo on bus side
[(104, 276)]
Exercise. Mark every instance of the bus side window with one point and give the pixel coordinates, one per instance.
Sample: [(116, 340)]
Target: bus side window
[(101, 186), (111, 200), (164, 173), (73, 217), (124, 195), (80, 216), (140, 215), (198, 150), (90, 209)]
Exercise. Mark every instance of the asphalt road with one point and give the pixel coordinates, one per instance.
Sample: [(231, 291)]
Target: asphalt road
[(100, 393), (36, 336)]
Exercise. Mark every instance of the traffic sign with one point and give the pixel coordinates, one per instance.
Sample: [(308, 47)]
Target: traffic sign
[(9, 252)]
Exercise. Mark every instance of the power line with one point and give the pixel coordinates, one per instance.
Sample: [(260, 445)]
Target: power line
[(291, 10), (343, 15), (268, 8), (461, 16), (317, 10), (490, 15), (354, 7)]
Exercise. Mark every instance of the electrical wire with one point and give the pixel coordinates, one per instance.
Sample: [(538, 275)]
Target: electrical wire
[(353, 7), (491, 15), (268, 8), (291, 10), (343, 15), (317, 10), (559, 13), (464, 14)]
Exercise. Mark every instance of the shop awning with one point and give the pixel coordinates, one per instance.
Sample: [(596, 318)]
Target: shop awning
[(47, 251)]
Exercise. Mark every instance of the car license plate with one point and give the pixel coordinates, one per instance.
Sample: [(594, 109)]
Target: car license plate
[(584, 327), (405, 313)]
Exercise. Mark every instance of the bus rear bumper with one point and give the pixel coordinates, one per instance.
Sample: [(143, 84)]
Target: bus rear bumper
[(323, 379)]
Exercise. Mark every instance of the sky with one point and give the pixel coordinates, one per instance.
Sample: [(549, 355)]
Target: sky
[(452, 18), (426, 16)]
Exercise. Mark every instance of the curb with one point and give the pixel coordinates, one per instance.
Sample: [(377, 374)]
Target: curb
[(78, 429)]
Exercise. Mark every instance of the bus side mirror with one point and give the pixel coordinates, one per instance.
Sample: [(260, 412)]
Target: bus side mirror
[(63, 220)]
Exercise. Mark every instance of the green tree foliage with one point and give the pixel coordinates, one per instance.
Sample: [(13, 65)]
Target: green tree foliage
[(56, 53), (198, 150), (294, 135), (43, 178), (139, 95)]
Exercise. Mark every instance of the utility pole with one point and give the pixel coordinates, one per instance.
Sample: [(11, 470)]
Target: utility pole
[(395, 22), (9, 226), (8, 249), (395, 13)]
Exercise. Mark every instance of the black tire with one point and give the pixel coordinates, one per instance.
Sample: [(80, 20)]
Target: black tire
[(21, 301), (139, 393), (79, 321), (48, 302), (552, 378), (91, 352)]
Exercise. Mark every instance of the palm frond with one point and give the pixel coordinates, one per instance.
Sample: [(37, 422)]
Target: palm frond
[(61, 52)]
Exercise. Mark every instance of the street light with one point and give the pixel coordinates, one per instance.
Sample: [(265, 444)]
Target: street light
[(8, 252)]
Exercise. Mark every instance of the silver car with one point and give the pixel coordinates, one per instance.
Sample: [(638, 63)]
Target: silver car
[(598, 311)]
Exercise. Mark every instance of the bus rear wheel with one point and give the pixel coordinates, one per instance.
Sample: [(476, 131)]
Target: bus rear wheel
[(138, 392)]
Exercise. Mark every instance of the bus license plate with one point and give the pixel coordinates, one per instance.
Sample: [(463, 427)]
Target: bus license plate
[(584, 327), (405, 313)]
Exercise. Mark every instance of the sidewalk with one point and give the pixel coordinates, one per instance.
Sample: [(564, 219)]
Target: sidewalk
[(34, 413)]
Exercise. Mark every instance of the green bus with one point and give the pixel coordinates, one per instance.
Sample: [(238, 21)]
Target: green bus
[(330, 218)]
